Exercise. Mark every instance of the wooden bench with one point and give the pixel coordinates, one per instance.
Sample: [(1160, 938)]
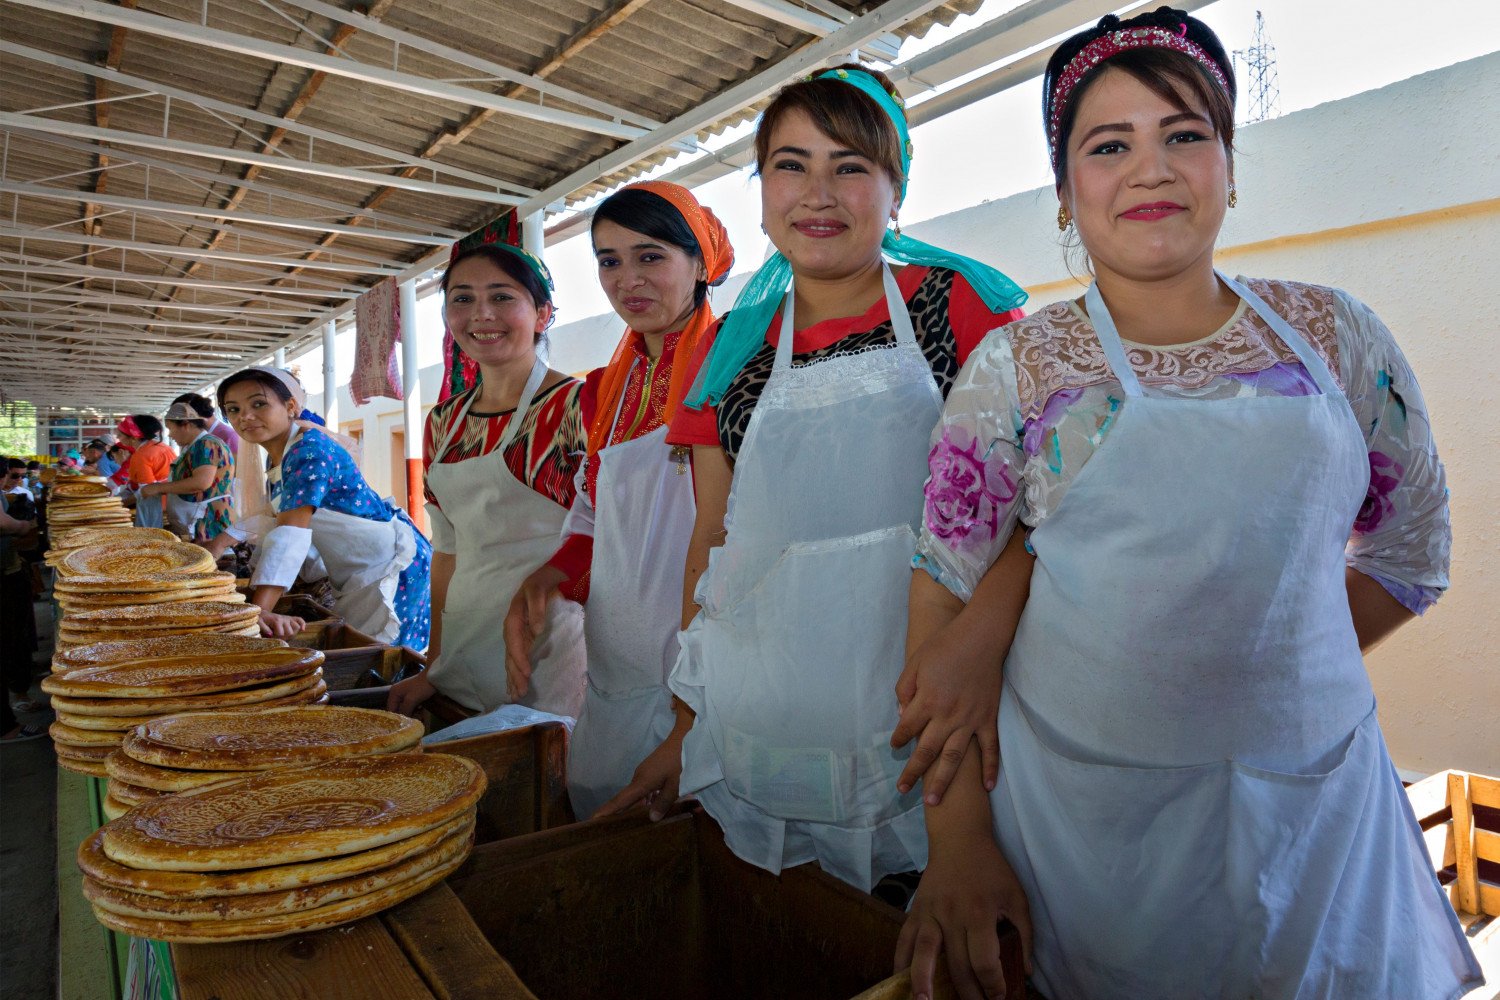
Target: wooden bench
[(1459, 814)]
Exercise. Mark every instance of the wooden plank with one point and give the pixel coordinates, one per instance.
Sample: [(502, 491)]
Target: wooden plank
[(1486, 845), (898, 987), (1489, 899), (1429, 798), (87, 969), (1484, 791), (1467, 883), (526, 770), (445, 945), (1439, 842), (360, 961)]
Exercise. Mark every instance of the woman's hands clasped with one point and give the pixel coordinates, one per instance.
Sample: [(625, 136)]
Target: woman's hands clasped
[(524, 623)]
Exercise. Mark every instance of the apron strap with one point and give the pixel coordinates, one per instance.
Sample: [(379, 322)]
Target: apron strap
[(533, 382), (906, 334), (1109, 342), (620, 403)]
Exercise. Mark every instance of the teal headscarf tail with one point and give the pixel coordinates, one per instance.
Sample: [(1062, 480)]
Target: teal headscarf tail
[(744, 328)]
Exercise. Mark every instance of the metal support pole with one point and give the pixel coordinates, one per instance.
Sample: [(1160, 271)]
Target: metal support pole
[(411, 387), (330, 383), (280, 357), (533, 237)]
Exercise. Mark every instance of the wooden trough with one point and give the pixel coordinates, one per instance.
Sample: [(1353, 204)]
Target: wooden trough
[(1459, 814)]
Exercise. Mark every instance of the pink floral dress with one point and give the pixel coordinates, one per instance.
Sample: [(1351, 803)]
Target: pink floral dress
[(1036, 399)]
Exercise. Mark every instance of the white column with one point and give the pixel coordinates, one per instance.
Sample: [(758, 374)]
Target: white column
[(533, 238), (279, 359), (330, 383), (411, 387)]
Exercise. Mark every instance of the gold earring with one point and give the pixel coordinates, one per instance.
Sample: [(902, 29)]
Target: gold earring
[(898, 227), (1234, 196), (1062, 218)]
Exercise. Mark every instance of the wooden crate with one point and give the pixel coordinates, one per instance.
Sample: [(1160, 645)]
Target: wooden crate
[(623, 908), (528, 783), (1459, 814)]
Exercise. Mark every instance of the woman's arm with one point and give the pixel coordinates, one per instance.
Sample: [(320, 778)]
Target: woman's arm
[(712, 475), (1375, 612), (265, 596), (199, 481), (405, 696)]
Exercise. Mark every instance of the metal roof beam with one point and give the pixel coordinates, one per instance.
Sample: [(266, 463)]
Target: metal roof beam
[(813, 22), (317, 281), (171, 250), (82, 319), (135, 302), (155, 206), (355, 175), (197, 34), (88, 271)]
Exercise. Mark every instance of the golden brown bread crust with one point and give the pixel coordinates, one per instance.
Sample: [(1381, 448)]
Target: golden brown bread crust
[(66, 735), (99, 653), (330, 915), (295, 691), (94, 863), (112, 807), (149, 583), (271, 737), (297, 814), (180, 614), (126, 769), (79, 537), (128, 794), (132, 559), (185, 675), (92, 768), (251, 906)]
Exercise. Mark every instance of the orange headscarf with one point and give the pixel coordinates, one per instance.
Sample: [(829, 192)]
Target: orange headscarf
[(718, 258)]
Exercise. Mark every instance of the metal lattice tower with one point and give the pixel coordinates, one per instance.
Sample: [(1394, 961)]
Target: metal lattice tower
[(1263, 93)]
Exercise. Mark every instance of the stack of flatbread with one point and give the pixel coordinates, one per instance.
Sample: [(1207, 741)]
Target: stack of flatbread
[(77, 538), (88, 593), (177, 752), (99, 654), (97, 705), (77, 502), (148, 621), (283, 851)]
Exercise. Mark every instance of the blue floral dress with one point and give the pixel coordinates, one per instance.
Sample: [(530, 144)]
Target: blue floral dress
[(317, 472), (219, 514)]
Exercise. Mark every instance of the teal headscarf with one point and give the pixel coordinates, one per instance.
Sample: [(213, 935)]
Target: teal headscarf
[(744, 328)]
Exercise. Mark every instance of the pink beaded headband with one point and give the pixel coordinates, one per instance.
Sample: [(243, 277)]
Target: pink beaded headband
[(1108, 46)]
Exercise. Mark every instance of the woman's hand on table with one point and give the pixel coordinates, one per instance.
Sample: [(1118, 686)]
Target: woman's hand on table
[(653, 783), (280, 626), (967, 889), (407, 695), (524, 623)]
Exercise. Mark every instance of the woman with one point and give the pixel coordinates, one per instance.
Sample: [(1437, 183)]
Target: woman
[(198, 495), (150, 462), (323, 513), (658, 252), (808, 460), (1232, 488), (500, 461)]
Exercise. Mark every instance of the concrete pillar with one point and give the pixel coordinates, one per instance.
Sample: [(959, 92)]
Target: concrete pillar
[(532, 234), (330, 382), (411, 387), (279, 358)]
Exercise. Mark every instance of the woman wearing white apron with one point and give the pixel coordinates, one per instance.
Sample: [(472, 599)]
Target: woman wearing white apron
[(199, 500), (324, 516), (1233, 488), (500, 461), (789, 666), (658, 251)]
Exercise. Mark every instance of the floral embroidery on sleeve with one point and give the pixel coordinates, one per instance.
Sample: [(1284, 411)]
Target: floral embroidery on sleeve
[(967, 492)]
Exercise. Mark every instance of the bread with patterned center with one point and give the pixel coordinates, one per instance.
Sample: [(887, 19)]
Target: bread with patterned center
[(183, 675), (296, 691), (133, 559), (271, 737), (120, 650)]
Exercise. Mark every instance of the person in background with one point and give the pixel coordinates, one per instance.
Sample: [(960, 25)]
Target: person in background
[(216, 426), (320, 512), (119, 453), (198, 495), (150, 462), (1232, 490), (15, 479), (34, 476), (809, 424), (17, 621), (501, 465), (96, 457), (658, 251)]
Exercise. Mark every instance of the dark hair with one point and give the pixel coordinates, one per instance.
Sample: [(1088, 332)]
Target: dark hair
[(148, 425), (506, 261), (15, 463), (33, 464), (845, 114), (204, 408), (260, 378), (651, 215), (1162, 71), (117, 447)]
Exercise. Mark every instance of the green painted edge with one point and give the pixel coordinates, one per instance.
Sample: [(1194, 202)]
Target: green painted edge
[(88, 967)]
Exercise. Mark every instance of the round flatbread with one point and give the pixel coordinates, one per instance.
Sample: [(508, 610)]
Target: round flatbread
[(295, 691), (65, 734), (80, 537), (128, 794), (331, 915), (298, 814), (92, 768), (150, 583), (91, 754), (250, 906), (120, 651), (74, 603), (164, 780), (112, 808), (184, 614), (116, 723), (94, 863), (271, 737), (134, 559), (185, 675)]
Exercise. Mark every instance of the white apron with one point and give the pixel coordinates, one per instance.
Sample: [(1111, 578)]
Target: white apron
[(642, 525), (505, 530), (1194, 790), (187, 513), (363, 560), (791, 664)]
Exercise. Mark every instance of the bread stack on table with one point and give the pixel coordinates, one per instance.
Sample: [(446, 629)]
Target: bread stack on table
[(78, 502), (283, 851), (176, 753), (104, 690)]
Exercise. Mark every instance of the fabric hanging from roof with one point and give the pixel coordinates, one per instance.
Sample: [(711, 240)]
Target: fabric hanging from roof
[(377, 332), (459, 370)]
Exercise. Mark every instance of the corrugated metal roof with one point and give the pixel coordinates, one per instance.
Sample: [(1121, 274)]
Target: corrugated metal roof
[(149, 244)]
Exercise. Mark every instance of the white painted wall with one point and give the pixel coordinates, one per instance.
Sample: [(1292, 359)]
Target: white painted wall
[(1394, 195)]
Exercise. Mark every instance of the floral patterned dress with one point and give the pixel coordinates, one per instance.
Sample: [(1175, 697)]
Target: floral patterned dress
[(1036, 400), (219, 514)]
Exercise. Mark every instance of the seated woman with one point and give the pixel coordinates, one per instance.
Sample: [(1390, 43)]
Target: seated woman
[(500, 462), (658, 252), (199, 503), (321, 511), (1232, 488), (810, 440)]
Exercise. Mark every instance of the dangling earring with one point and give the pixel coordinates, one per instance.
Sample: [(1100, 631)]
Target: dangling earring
[(1234, 196), (1062, 218), (898, 227)]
